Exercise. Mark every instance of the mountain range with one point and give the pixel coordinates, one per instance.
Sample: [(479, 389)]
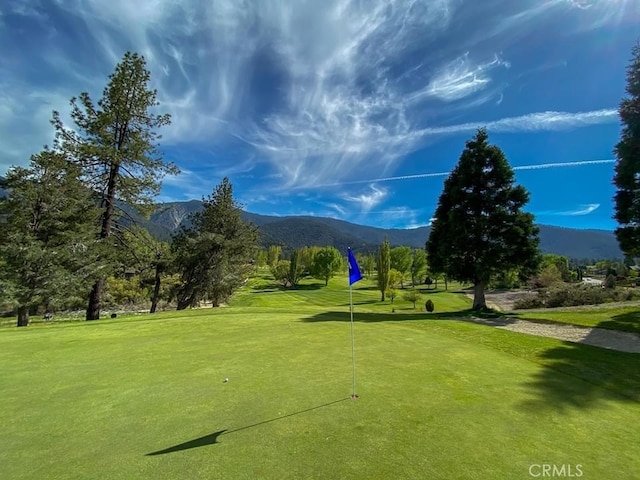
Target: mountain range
[(297, 231)]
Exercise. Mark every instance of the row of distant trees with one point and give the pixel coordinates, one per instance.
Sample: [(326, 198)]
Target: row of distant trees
[(65, 232), (406, 264)]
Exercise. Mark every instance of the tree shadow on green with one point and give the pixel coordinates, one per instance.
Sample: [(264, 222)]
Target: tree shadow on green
[(277, 287), (307, 286), (360, 302), (625, 322), (576, 375), (368, 289), (212, 438), (399, 316)]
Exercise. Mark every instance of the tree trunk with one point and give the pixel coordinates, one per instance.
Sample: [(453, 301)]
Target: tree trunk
[(156, 292), (479, 302), (446, 286), (382, 300), (23, 316), (185, 301), (181, 305), (93, 309)]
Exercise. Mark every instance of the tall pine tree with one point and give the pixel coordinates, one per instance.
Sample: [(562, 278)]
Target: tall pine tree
[(47, 234), (214, 255), (479, 228), (627, 169), (115, 144)]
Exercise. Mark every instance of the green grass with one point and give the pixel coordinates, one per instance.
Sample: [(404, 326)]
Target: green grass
[(623, 318), (144, 397)]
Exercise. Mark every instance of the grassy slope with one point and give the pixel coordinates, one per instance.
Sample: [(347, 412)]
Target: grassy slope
[(439, 398)]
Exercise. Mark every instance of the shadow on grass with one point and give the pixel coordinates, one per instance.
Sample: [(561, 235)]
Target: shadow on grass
[(361, 302), (581, 376), (276, 287), (626, 322), (212, 438), (368, 317), (309, 286)]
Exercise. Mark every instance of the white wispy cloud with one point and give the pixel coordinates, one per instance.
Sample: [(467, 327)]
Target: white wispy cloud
[(580, 163), (539, 166), (594, 14), (579, 211), (461, 78), (581, 4), (316, 91), (583, 210), (532, 122), (367, 200)]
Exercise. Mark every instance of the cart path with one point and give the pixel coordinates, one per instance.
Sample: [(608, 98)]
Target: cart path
[(598, 337)]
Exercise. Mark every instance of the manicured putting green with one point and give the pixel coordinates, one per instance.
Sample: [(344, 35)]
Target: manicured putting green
[(145, 397)]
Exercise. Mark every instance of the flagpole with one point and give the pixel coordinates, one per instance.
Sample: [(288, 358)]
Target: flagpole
[(354, 276), (353, 349)]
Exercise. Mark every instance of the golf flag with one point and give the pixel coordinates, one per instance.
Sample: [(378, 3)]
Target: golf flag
[(354, 270)]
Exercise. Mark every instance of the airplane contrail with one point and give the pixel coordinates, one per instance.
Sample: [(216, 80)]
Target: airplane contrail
[(539, 166)]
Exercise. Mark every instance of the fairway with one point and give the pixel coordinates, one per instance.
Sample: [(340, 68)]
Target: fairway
[(145, 396)]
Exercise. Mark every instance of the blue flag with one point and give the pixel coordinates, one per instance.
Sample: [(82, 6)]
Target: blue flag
[(354, 270)]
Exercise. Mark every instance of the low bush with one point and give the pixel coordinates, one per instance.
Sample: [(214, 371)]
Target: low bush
[(575, 295), (530, 301), (429, 306)]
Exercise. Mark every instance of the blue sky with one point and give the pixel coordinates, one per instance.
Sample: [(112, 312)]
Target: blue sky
[(349, 109)]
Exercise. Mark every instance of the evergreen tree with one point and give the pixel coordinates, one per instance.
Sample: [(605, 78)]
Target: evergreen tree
[(214, 255), (150, 258), (115, 144), (47, 234), (384, 265), (479, 228), (627, 169)]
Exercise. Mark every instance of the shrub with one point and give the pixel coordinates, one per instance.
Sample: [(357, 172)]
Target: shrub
[(391, 293), (610, 281), (575, 295), (550, 275), (530, 301), (412, 296), (429, 306)]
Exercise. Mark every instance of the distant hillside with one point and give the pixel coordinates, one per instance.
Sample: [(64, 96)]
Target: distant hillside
[(579, 243), (297, 231)]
